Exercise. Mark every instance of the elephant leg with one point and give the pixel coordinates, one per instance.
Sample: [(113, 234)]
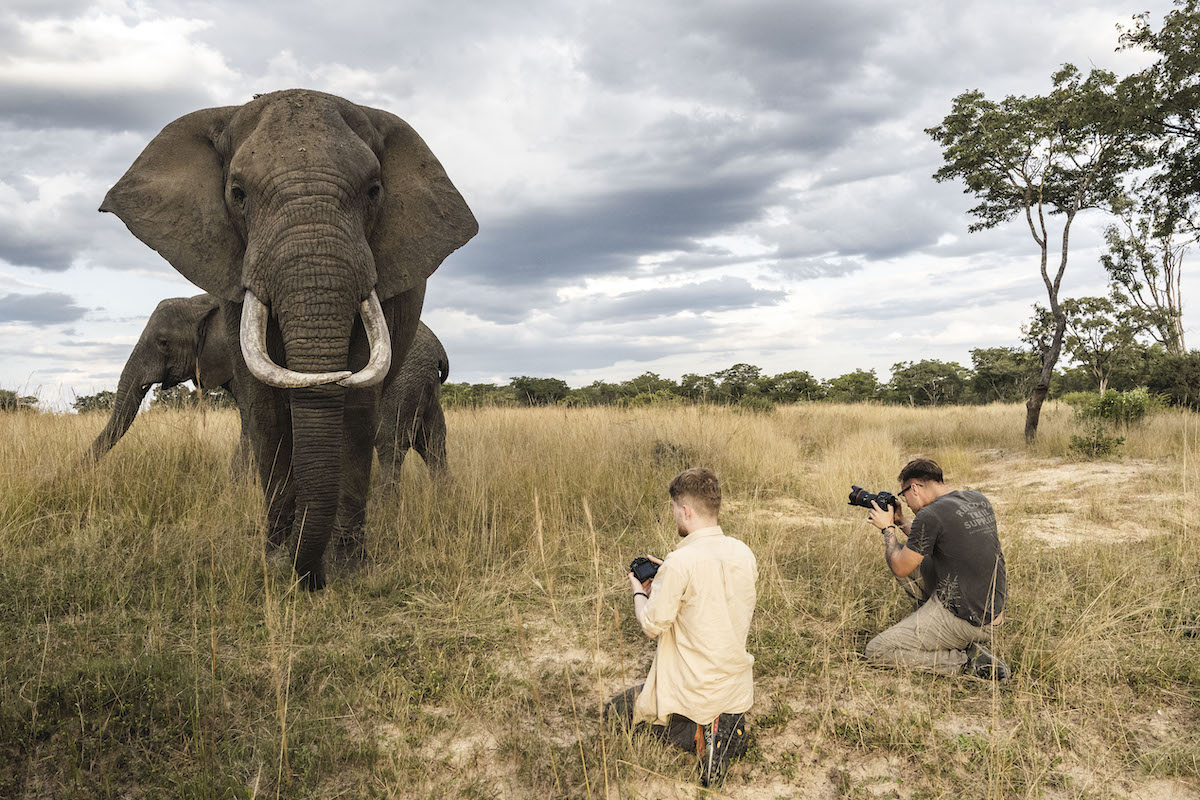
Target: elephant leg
[(430, 442), (392, 449), (359, 426), (241, 464)]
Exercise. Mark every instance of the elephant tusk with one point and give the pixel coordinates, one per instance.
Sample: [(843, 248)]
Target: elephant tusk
[(254, 350), (381, 347)]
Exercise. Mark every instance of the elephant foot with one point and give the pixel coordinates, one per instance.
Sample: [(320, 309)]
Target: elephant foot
[(313, 580)]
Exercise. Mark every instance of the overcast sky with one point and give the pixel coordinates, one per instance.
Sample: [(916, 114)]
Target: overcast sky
[(669, 186)]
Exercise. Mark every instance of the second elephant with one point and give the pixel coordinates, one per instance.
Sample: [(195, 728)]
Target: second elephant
[(181, 342)]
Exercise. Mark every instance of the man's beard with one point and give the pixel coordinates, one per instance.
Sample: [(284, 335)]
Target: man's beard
[(682, 531)]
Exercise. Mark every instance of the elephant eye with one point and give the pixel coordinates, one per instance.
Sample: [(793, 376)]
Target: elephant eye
[(238, 194), (374, 191)]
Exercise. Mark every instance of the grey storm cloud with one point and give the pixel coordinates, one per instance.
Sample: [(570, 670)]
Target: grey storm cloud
[(724, 294), (559, 349), (967, 298), (98, 109), (606, 234), (46, 308)]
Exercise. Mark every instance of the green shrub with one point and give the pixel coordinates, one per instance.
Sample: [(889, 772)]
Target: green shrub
[(1118, 407), (1079, 399), (1096, 443)]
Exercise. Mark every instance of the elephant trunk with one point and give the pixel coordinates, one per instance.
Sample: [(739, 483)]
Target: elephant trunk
[(317, 413), (136, 379), (314, 272)]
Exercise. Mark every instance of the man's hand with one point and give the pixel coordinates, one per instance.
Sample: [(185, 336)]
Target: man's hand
[(646, 585), (881, 517)]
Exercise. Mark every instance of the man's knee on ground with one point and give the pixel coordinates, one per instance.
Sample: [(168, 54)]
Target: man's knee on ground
[(878, 649)]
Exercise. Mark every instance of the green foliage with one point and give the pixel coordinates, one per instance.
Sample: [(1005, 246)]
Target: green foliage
[(698, 388), (1099, 337), (853, 387), (736, 381), (1096, 443), (539, 391), (11, 401), (1175, 377), (1167, 97), (791, 387), (1078, 400), (180, 396), (1117, 407), (1066, 151), (1145, 263), (1005, 374), (928, 382), (101, 401), (755, 403), (477, 395)]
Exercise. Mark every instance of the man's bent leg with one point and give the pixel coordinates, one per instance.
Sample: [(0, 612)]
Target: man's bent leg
[(679, 731), (931, 638), (620, 708)]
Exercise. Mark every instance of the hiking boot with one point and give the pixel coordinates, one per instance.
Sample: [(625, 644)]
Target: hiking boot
[(982, 664), (717, 742)]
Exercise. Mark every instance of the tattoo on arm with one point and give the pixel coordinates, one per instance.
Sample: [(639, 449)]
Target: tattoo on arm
[(891, 548)]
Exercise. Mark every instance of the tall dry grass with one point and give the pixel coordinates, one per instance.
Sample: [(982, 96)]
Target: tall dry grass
[(154, 649)]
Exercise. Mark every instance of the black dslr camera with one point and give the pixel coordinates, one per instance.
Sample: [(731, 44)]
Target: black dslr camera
[(861, 497), (643, 568)]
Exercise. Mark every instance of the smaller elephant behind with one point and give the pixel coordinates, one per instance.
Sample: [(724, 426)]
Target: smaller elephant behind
[(181, 342), (410, 414)]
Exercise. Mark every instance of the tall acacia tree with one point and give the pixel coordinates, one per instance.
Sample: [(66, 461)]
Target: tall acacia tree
[(1145, 261), (1166, 96), (1145, 258), (1039, 157)]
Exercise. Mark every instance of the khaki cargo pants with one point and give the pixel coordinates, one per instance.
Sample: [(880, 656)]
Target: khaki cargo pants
[(931, 638)]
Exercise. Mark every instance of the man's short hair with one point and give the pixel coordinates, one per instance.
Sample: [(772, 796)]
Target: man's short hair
[(700, 486), (921, 469)]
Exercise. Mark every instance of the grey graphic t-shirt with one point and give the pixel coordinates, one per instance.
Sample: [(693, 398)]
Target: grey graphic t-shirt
[(957, 535)]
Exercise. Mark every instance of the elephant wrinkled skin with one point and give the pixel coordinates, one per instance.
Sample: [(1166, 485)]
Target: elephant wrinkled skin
[(298, 210)]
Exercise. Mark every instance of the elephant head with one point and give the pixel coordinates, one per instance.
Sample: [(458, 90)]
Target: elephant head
[(179, 343), (299, 209)]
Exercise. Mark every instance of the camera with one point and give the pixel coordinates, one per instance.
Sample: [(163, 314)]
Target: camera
[(643, 568), (861, 497)]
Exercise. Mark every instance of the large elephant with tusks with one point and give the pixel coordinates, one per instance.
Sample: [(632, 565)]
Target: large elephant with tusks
[(316, 222)]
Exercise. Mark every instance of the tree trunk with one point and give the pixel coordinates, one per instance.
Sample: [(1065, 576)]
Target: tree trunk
[(1033, 406)]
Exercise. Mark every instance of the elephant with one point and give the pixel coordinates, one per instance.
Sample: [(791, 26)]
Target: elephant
[(316, 222), (184, 339), (411, 411), (182, 342)]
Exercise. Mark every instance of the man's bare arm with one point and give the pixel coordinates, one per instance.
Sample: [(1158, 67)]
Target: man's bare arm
[(900, 559)]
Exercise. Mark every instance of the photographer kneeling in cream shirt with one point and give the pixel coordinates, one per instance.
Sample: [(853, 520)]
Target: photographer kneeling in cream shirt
[(698, 607)]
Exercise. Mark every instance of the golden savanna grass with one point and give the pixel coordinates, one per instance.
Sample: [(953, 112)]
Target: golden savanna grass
[(150, 648)]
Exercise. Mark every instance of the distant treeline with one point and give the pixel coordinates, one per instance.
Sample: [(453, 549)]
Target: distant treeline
[(1005, 374)]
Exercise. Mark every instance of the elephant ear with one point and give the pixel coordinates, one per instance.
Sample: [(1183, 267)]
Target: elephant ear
[(173, 199), (423, 219)]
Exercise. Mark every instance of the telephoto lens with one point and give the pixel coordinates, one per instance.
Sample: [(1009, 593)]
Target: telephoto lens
[(861, 497)]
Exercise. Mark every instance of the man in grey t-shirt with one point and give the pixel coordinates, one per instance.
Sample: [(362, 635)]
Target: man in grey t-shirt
[(952, 540)]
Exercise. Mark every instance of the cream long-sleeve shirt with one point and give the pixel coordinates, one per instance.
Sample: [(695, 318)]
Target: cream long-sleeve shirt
[(700, 608)]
